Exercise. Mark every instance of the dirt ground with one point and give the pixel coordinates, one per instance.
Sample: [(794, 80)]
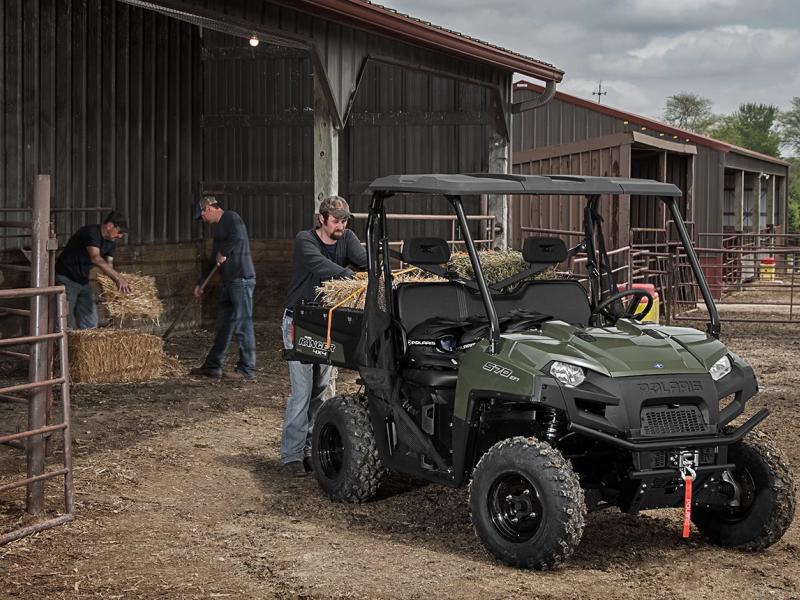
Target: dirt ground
[(179, 496)]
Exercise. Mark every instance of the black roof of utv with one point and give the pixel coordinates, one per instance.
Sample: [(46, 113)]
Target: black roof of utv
[(498, 183)]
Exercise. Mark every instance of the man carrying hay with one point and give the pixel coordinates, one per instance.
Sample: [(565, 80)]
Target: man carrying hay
[(90, 246), (320, 254), (235, 313)]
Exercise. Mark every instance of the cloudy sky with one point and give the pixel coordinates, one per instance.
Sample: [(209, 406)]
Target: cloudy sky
[(730, 51)]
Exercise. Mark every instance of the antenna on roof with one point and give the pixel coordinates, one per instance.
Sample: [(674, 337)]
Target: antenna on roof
[(599, 91)]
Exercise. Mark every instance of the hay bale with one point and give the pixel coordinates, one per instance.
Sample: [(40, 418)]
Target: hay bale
[(143, 301), (114, 355), (497, 265), (353, 291)]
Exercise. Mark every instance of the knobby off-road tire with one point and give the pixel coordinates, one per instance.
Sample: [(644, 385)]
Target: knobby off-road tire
[(526, 504), (343, 450), (767, 498)]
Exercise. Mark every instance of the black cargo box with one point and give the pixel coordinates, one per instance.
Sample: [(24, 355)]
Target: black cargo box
[(310, 330)]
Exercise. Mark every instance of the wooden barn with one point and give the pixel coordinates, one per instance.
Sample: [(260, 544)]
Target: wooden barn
[(727, 189)]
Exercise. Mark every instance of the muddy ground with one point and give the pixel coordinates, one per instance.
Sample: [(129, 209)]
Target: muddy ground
[(179, 496)]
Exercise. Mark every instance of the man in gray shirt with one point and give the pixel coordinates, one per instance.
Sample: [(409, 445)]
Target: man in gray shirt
[(323, 253)]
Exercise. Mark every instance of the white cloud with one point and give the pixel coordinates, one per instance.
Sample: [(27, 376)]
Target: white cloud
[(731, 51)]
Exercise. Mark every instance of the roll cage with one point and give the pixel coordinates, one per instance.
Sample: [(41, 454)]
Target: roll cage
[(453, 187)]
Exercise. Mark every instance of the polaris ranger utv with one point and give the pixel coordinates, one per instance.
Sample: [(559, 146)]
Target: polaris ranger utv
[(548, 399)]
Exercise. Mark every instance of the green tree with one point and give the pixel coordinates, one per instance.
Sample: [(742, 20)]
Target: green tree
[(752, 126), (689, 111), (794, 194), (790, 126)]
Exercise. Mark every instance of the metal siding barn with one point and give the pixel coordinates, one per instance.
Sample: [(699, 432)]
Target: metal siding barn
[(591, 139), (142, 106), (105, 99)]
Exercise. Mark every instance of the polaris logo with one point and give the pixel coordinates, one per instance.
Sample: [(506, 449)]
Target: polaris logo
[(316, 346), (673, 386), (421, 343)]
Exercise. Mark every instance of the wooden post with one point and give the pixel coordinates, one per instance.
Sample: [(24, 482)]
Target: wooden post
[(326, 165), (326, 147), (756, 205), (39, 319), (771, 201), (689, 191), (497, 205), (738, 200), (662, 176)]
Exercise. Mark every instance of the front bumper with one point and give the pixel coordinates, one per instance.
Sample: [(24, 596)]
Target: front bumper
[(677, 443), (652, 418)]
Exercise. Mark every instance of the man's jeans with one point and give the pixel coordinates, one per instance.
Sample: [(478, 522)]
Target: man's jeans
[(82, 310), (308, 383), (235, 316)]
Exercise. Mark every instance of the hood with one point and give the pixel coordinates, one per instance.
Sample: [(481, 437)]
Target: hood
[(628, 349)]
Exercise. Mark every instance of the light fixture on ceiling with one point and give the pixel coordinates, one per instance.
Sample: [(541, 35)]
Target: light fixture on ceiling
[(254, 41)]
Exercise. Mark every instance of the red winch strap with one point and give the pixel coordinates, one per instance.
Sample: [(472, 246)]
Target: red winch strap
[(687, 503)]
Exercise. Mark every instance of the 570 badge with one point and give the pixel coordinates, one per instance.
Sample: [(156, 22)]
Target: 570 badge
[(500, 370)]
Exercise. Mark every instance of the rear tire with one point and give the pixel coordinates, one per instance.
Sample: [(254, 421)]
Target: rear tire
[(767, 498), (526, 504), (343, 451)]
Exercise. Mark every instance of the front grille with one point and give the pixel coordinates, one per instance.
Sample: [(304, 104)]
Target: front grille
[(658, 459), (667, 420)]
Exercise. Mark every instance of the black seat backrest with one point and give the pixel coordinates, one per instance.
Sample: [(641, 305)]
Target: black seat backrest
[(426, 251), (544, 250), (418, 302), (564, 300)]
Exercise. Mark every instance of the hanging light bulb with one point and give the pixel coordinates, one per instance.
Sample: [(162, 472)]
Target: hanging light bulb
[(254, 41)]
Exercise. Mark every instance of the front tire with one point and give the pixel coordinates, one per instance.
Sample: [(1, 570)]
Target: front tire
[(767, 498), (526, 504), (343, 451)]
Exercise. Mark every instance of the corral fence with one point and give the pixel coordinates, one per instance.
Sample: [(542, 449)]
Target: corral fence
[(752, 277), (46, 319)]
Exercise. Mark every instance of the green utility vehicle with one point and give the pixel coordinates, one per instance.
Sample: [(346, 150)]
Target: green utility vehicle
[(546, 397)]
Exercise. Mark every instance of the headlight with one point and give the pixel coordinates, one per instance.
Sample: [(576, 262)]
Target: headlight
[(567, 374), (720, 368)]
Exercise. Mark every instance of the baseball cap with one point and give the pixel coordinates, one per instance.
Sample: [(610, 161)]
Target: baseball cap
[(201, 205), (118, 219), (336, 206)]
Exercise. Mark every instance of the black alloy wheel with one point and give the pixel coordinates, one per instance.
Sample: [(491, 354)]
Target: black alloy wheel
[(766, 499), (526, 504), (331, 450), (344, 454), (515, 507)]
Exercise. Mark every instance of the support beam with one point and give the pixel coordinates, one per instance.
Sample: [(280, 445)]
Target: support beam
[(662, 176), (771, 202), (689, 191), (756, 210), (326, 146), (783, 193), (497, 205), (37, 371), (738, 200)]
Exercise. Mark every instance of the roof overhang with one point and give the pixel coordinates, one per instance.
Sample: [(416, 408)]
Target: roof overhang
[(383, 20), (676, 133), (491, 183)]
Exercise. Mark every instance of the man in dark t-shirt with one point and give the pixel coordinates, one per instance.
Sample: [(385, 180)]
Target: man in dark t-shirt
[(90, 246), (231, 254), (326, 252)]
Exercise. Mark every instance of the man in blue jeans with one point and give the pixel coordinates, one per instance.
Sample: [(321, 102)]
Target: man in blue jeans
[(323, 253), (90, 246), (235, 312)]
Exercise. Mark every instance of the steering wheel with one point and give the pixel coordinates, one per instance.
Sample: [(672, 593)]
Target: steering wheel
[(629, 311)]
